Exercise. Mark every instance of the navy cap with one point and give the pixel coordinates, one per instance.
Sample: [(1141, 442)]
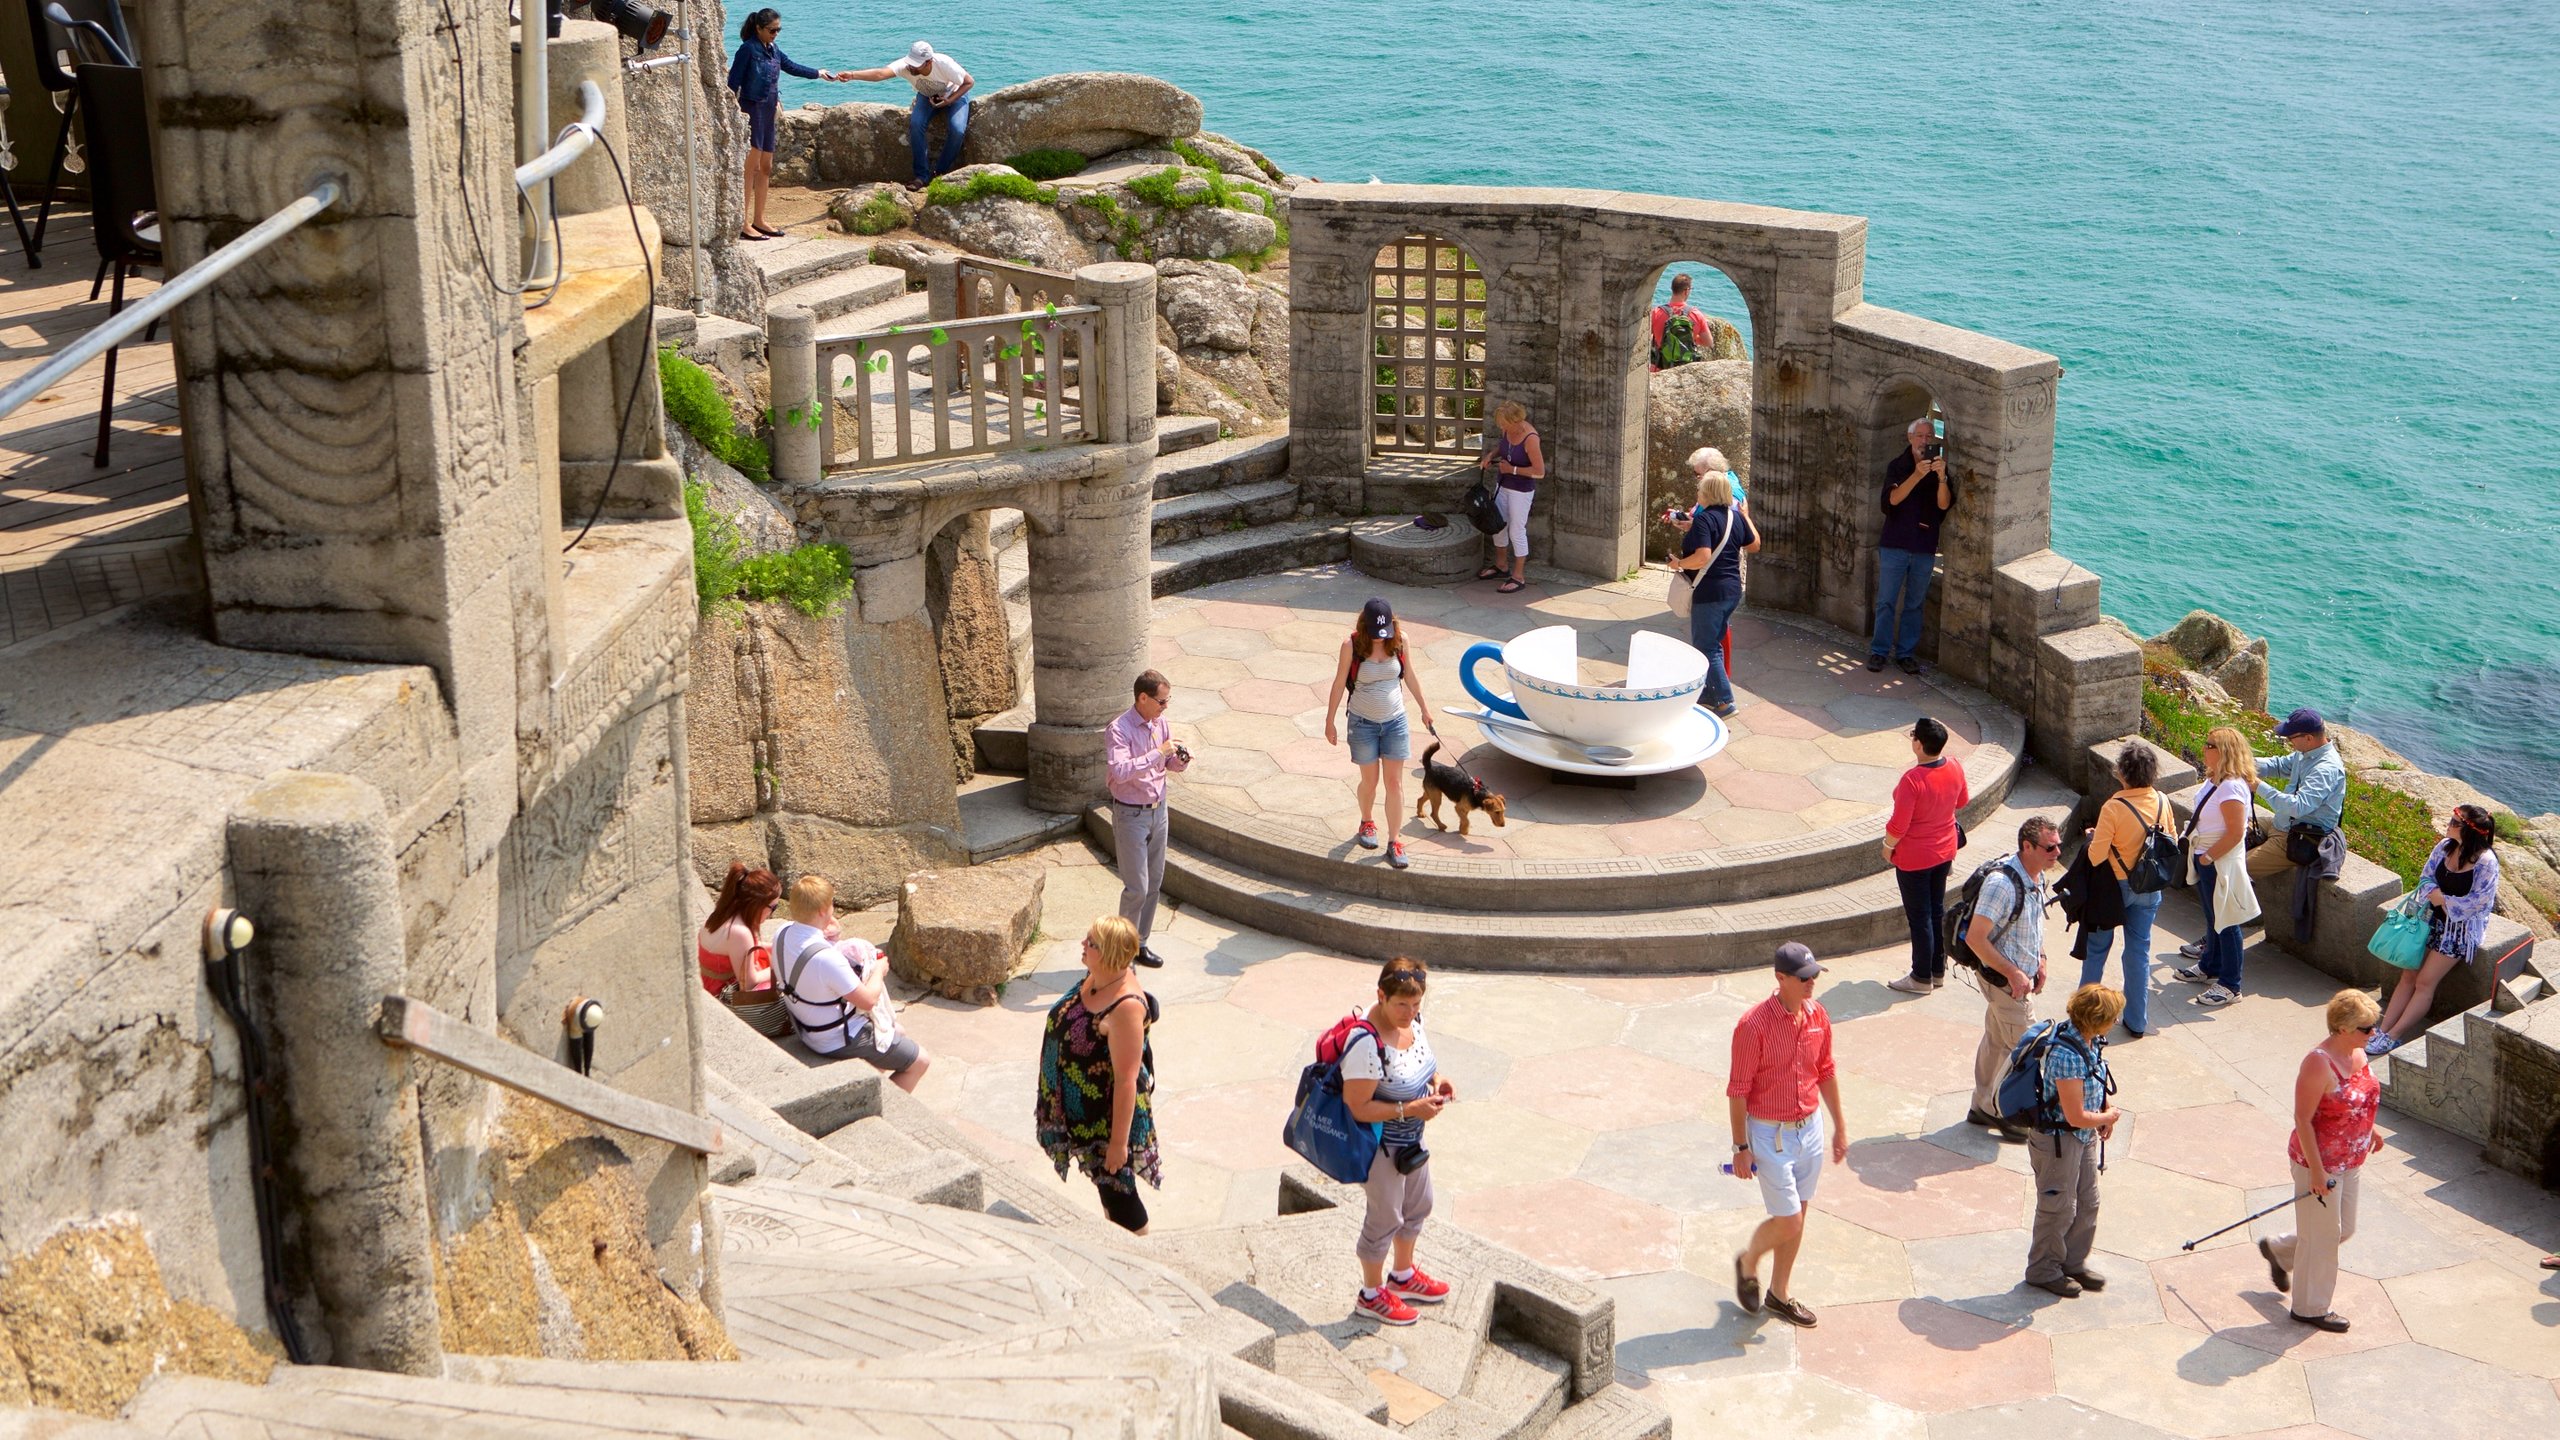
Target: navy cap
[(1377, 619), (1794, 959), (2305, 721)]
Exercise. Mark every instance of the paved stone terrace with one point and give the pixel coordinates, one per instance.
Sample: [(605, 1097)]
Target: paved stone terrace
[(1591, 1123), (1818, 743), (76, 539)]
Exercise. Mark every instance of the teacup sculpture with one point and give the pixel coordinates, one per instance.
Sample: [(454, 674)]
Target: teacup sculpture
[(1664, 678)]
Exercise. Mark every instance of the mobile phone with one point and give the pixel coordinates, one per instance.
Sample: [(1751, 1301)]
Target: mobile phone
[(1936, 450)]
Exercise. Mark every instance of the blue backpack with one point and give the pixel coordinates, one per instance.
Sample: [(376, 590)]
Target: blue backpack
[(1320, 1128), (2028, 1098)]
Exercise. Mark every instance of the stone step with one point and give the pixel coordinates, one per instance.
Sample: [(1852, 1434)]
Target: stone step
[(1516, 1392), (1614, 1413), (1687, 939), (1227, 509), (838, 292), (1258, 550), (1217, 464), (905, 310), (786, 263), (2445, 1075), (999, 821), (1308, 1359), (813, 1093), (1004, 741), (715, 341), (1153, 1391), (177, 1405), (1175, 433), (1005, 532), (886, 1160)]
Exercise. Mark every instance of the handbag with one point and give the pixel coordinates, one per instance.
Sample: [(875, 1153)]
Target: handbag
[(2400, 941), (2156, 867), (1684, 583), (1483, 512), (1320, 1128), (761, 1008)]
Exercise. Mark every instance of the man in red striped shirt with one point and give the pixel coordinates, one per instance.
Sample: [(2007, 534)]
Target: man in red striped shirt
[(1781, 1065), (1921, 839)]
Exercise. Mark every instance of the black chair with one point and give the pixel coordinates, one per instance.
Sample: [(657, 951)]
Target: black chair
[(9, 162), (124, 205), (67, 33)]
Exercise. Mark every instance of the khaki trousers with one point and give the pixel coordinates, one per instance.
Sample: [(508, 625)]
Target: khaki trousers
[(2320, 1231), (2066, 1171), (2003, 1021)]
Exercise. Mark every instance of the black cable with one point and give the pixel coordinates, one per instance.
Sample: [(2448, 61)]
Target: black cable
[(462, 154), (649, 267), (222, 976)]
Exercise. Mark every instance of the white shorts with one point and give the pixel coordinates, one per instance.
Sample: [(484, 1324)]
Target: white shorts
[(1787, 1158)]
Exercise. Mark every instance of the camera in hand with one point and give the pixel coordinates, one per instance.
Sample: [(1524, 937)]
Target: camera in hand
[(1936, 450)]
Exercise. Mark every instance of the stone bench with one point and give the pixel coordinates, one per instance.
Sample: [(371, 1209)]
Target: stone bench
[(1403, 553)]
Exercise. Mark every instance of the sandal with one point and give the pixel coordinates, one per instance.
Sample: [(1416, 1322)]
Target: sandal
[(1508, 586), (1488, 572)]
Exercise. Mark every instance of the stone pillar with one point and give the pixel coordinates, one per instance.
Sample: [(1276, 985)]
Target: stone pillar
[(1329, 361), (942, 288), (355, 445), (1090, 577), (588, 50), (312, 858), (791, 356)]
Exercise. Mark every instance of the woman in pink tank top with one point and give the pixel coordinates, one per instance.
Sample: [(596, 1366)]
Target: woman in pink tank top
[(2335, 1097)]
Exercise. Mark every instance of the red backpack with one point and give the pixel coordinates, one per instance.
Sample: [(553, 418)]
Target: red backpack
[(1331, 1044)]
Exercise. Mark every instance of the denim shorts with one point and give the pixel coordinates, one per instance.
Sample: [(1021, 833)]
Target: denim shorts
[(1375, 740), (763, 124)]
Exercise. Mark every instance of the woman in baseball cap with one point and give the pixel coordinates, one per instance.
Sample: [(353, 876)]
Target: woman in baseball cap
[(1375, 671)]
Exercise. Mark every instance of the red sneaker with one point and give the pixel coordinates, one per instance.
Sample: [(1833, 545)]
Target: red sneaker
[(1385, 1308), (1418, 1288)]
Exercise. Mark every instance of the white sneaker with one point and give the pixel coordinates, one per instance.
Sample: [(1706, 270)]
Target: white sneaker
[(2215, 997), (2191, 975), (1909, 985), (2193, 950)]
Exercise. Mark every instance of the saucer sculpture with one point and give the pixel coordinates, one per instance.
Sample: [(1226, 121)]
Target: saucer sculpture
[(1654, 716)]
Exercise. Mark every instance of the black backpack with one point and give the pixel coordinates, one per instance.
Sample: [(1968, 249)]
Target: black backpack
[(1959, 917), (2160, 864)]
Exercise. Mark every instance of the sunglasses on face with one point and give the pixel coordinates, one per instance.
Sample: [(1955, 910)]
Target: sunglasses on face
[(2364, 1029), (2053, 849)]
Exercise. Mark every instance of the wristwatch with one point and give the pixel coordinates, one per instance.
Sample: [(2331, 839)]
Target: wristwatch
[(1738, 1149)]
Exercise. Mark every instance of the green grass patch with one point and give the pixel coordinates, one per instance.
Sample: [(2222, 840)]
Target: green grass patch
[(990, 183), (815, 580), (1126, 236), (877, 216), (694, 401), (1048, 164), (1168, 189)]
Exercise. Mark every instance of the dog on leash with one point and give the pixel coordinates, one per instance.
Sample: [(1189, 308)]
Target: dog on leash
[(1453, 784)]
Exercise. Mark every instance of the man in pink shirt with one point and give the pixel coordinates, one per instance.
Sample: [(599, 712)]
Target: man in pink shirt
[(1138, 752), (1781, 1065)]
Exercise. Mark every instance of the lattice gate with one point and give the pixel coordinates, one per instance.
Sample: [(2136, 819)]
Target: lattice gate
[(1427, 346)]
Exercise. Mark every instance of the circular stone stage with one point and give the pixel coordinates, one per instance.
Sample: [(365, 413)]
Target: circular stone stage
[(1774, 838)]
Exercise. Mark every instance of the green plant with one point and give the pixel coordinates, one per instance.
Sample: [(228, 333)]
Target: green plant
[(1125, 233), (693, 400), (877, 216), (985, 183), (1048, 164), (812, 579)]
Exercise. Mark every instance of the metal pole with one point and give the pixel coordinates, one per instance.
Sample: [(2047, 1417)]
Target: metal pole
[(692, 209), (533, 133)]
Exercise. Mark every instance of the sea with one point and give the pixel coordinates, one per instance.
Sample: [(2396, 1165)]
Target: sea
[(2301, 262)]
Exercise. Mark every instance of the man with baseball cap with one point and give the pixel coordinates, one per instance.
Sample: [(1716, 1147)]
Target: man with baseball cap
[(942, 88), (1781, 1065)]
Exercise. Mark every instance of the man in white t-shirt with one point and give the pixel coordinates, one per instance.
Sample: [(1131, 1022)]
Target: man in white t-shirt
[(833, 988), (942, 88)]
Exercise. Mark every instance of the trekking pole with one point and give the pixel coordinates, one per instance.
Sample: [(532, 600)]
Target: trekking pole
[(2245, 1219)]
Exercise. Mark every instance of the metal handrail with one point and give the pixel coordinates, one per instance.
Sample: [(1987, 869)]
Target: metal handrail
[(185, 286), (573, 142)]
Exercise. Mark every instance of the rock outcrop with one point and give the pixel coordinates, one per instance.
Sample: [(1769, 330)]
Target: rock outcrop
[(2221, 652), (963, 933), (1092, 113), (1706, 403), (1003, 228), (654, 120)]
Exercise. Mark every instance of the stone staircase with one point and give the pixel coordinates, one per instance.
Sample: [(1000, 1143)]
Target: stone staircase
[(2448, 1076), (834, 278)]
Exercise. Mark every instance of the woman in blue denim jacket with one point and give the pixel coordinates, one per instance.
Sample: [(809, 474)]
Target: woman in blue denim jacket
[(755, 77)]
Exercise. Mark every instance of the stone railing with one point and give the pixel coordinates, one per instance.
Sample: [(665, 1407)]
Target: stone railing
[(960, 287), (1024, 380)]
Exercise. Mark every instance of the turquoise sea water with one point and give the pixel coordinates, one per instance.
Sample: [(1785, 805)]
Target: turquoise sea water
[(2301, 262)]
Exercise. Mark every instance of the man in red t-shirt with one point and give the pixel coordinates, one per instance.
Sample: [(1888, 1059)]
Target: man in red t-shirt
[(1781, 1065), (1921, 839)]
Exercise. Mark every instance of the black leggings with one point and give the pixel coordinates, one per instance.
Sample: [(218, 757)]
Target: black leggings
[(1924, 908), (1120, 1199)]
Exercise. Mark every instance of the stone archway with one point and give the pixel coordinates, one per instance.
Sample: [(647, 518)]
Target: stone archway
[(1427, 346)]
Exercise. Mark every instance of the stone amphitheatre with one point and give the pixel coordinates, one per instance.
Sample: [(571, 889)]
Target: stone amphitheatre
[(416, 626)]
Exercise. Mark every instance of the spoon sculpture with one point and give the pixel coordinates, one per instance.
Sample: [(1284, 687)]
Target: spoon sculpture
[(1596, 754)]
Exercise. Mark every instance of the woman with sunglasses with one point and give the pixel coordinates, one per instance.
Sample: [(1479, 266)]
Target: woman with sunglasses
[(1095, 1107), (2220, 828), (2335, 1096), (2459, 887)]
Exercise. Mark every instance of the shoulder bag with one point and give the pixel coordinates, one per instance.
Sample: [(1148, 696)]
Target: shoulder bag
[(1684, 583), (2401, 940)]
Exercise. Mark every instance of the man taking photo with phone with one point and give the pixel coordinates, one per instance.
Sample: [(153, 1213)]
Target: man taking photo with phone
[(1918, 493)]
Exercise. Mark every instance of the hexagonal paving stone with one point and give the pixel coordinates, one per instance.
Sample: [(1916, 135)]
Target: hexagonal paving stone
[(1251, 732), (2052, 1418), (1202, 672), (1564, 804), (1582, 1230), (2417, 1392), (1673, 1165), (1889, 749), (1781, 1405), (1796, 687), (1913, 1190), (1839, 1264), (1521, 1016), (1744, 825), (1308, 992), (1483, 1144), (1268, 697), (1224, 642), (1773, 755), (1311, 637), (1926, 1356), (1696, 1032), (1309, 755), (2485, 1312), (1673, 1324), (1613, 1087), (1766, 790), (1230, 764), (1919, 1052), (1784, 721), (2232, 1144), (2389, 1240), (1299, 666), (1235, 1127), (1986, 1275), (1870, 783), (1241, 615), (2187, 1384), (1200, 1047), (1676, 835), (2226, 1292), (1536, 840)]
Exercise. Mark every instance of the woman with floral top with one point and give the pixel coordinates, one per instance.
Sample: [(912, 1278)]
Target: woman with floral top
[(2459, 887), (1097, 1076)]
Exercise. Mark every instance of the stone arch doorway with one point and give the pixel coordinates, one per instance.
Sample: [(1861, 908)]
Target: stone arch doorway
[(1703, 400), (1427, 348), (1899, 403), (973, 633)]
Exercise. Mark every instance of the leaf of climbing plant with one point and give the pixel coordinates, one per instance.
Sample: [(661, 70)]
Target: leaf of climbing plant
[(940, 336)]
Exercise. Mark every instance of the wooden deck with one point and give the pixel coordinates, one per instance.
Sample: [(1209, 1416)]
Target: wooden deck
[(77, 539)]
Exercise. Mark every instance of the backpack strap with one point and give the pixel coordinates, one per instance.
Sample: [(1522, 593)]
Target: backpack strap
[(799, 963)]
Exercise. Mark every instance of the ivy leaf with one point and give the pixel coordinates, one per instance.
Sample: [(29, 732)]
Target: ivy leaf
[(880, 364), (940, 336), (1013, 352)]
